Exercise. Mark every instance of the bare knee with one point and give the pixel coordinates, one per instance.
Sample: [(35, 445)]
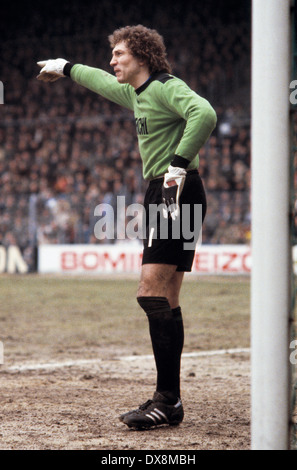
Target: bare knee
[(160, 281), (144, 289), (152, 286), (174, 289), (154, 280)]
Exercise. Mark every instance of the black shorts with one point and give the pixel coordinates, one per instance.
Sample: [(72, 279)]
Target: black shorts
[(170, 244)]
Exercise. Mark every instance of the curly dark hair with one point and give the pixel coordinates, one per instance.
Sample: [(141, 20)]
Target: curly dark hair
[(145, 44)]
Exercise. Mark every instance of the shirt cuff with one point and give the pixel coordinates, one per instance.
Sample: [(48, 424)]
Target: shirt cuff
[(180, 161), (67, 68)]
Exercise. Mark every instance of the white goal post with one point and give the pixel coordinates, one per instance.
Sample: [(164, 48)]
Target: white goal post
[(271, 251)]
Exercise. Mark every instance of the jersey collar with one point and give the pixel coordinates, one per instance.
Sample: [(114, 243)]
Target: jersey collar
[(153, 77)]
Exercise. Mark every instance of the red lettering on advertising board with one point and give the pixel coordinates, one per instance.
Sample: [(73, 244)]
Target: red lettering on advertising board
[(245, 257), (224, 262), (227, 265), (201, 262), (90, 260), (121, 258), (68, 260), (204, 262)]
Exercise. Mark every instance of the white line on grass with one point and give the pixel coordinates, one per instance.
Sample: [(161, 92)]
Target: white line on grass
[(195, 354), (53, 365), (82, 362)]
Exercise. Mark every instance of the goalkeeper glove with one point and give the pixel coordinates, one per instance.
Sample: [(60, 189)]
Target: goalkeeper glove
[(172, 187), (51, 70)]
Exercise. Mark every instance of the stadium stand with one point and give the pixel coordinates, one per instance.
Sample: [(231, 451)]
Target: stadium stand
[(63, 149)]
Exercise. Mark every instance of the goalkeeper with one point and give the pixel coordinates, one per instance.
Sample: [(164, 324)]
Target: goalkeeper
[(172, 124)]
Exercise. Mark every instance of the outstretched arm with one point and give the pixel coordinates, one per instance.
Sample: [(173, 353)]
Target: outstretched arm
[(95, 79)]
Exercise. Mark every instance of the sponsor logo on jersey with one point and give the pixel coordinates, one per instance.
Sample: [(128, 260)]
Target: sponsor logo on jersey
[(141, 126)]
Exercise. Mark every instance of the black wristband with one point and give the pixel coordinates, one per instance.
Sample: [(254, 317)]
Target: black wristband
[(180, 162), (67, 68)]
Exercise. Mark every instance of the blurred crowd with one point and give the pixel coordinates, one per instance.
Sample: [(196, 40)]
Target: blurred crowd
[(65, 150)]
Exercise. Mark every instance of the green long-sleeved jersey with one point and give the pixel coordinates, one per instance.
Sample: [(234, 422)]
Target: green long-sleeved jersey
[(171, 119)]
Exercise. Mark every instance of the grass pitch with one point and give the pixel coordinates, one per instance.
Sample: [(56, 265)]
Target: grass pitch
[(42, 316)]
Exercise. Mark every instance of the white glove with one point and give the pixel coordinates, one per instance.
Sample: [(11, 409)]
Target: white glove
[(172, 187), (51, 70)]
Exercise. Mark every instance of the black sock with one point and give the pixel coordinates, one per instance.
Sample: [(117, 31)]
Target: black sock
[(177, 316), (163, 332)]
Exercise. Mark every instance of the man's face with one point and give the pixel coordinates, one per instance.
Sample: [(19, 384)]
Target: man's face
[(125, 65)]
